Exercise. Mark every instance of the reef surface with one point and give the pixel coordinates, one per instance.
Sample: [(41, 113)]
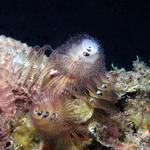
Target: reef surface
[(115, 117)]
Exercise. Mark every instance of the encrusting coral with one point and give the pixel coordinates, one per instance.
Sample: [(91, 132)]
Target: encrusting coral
[(69, 101)]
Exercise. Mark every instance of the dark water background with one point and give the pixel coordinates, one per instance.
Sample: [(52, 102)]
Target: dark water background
[(122, 26)]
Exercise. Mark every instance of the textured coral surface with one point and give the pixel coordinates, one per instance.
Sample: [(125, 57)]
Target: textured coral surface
[(51, 102)]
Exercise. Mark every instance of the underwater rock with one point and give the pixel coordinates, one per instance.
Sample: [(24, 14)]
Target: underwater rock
[(69, 101)]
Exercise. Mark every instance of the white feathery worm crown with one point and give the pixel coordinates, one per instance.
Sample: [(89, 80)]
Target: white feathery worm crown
[(87, 50), (81, 55)]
